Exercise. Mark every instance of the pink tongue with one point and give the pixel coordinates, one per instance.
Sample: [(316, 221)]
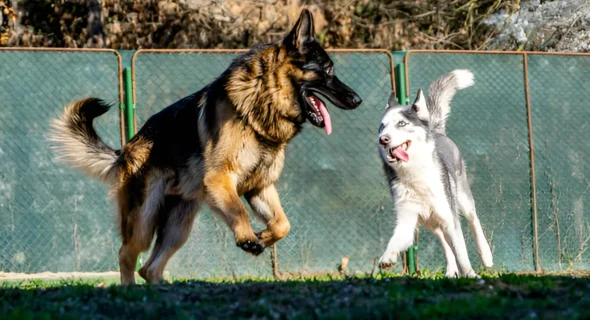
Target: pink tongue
[(326, 116), (401, 154)]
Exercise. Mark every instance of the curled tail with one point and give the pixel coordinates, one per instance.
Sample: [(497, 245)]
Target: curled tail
[(78, 144), (440, 94)]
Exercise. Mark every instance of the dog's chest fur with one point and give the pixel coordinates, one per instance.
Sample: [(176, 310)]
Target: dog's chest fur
[(259, 166), (248, 163), (418, 180)]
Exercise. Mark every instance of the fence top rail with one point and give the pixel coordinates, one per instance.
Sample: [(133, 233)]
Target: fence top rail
[(214, 51), (59, 49), (246, 50), (499, 52)]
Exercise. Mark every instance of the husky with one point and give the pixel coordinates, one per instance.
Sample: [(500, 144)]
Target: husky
[(225, 141), (427, 177)]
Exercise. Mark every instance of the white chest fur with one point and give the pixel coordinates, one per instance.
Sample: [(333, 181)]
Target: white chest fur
[(419, 179)]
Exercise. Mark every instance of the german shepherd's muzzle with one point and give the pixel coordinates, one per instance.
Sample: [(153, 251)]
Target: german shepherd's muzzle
[(225, 141), (335, 91), (327, 85)]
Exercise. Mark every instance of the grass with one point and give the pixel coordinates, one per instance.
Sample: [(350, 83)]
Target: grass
[(506, 296)]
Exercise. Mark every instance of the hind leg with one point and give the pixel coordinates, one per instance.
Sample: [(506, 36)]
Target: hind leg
[(451, 228), (451, 269), (176, 218), (467, 207), (453, 235), (138, 218), (267, 206)]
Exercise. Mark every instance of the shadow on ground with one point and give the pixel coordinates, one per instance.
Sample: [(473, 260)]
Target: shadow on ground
[(507, 296)]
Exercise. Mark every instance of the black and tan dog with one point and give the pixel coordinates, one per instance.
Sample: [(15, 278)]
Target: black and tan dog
[(212, 147)]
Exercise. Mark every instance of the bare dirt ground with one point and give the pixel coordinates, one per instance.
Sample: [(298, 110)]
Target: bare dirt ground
[(13, 276)]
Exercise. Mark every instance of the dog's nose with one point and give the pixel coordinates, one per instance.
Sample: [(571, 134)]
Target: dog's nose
[(384, 140)]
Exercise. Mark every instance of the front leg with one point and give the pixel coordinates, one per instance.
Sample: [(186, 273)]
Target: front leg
[(223, 199), (266, 205), (403, 234)]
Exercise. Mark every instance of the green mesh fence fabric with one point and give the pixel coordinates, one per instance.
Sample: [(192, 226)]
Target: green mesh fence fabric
[(52, 218), (488, 122), (560, 91), (332, 188)]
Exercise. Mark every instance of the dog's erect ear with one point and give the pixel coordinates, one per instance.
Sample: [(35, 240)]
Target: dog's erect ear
[(419, 106), (302, 32), (392, 102)]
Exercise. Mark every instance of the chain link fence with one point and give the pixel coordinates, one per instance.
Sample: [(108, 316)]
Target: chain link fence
[(338, 205), (560, 91), (53, 218)]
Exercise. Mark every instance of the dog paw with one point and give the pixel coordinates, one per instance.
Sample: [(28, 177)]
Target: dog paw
[(452, 273), (471, 274), (387, 260), (150, 275), (254, 247)]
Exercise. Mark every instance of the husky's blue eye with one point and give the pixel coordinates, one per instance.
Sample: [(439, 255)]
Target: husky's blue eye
[(402, 123), (381, 128)]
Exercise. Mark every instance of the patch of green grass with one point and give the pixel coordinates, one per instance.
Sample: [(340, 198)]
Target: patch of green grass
[(383, 296)]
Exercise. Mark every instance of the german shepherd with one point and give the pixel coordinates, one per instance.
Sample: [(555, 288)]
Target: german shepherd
[(222, 142)]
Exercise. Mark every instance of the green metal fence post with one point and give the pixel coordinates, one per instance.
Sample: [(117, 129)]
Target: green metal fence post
[(402, 98), (129, 111), (400, 78), (129, 105)]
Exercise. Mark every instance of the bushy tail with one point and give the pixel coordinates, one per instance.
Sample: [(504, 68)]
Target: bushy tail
[(440, 94), (78, 144)]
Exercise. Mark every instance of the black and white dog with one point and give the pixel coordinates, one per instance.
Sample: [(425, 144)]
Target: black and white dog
[(427, 176)]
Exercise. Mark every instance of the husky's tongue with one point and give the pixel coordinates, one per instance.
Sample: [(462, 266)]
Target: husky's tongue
[(401, 154), (325, 115)]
